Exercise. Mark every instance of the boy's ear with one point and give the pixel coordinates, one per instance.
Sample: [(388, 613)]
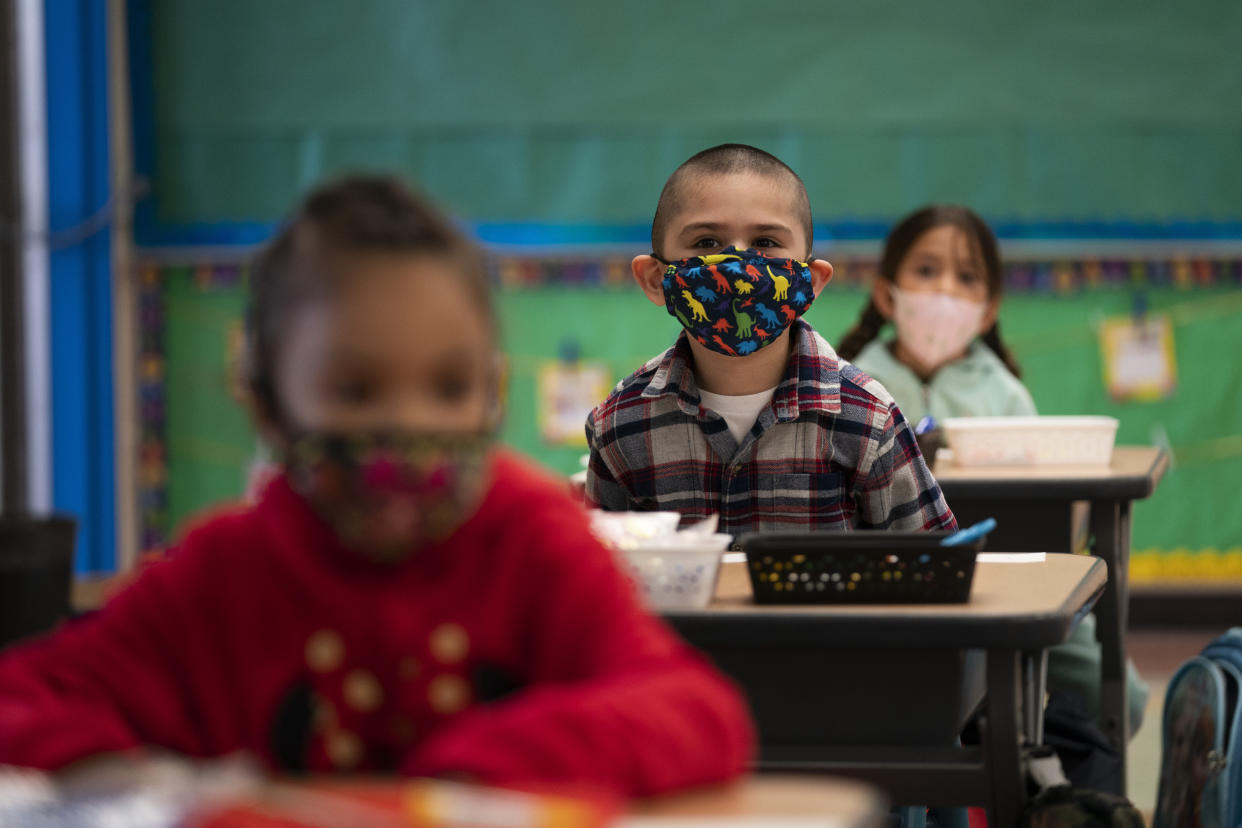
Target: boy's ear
[(821, 274), (882, 296), (649, 273)]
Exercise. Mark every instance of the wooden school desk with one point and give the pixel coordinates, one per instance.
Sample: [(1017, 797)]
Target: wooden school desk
[(1033, 507), (234, 793), (767, 801), (879, 692), (770, 800)]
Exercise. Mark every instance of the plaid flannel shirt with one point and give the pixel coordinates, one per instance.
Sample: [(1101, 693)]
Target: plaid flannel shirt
[(830, 451)]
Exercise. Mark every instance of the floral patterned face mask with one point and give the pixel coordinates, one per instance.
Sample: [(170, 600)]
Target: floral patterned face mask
[(736, 301), (387, 494)]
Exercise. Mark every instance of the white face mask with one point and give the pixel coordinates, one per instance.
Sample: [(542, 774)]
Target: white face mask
[(934, 328)]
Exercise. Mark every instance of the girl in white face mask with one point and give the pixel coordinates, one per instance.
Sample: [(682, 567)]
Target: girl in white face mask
[(940, 286)]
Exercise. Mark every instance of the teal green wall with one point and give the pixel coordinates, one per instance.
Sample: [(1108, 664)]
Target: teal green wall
[(569, 112)]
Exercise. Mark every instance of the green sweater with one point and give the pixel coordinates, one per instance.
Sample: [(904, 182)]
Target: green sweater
[(977, 385)]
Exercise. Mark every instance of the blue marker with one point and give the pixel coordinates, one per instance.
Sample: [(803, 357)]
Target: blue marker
[(970, 534), (924, 425)]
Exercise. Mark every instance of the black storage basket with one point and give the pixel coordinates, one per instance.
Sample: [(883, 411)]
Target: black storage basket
[(869, 567), (36, 574)]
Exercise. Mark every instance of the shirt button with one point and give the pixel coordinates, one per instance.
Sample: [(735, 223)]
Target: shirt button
[(449, 643), (448, 693), (324, 651), (344, 749), (362, 691)]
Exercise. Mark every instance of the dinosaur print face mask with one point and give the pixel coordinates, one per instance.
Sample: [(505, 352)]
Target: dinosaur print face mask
[(736, 301)]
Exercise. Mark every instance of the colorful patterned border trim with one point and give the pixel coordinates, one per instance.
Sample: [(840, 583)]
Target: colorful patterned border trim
[(152, 462), (1051, 275), (152, 371)]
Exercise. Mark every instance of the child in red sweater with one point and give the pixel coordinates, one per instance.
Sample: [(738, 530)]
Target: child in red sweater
[(403, 596)]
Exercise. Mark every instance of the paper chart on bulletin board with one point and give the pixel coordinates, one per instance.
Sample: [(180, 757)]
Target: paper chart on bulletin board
[(567, 391), (1138, 354)]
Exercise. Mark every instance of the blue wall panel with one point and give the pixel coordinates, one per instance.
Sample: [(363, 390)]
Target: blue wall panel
[(83, 479)]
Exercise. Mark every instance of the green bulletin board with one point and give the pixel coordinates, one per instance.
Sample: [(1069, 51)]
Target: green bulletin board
[(209, 446), (208, 440)]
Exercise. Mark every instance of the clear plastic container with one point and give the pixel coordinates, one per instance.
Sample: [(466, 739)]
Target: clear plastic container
[(680, 576), (1031, 441)]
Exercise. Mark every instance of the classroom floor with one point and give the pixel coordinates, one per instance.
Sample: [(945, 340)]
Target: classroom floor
[(1157, 653)]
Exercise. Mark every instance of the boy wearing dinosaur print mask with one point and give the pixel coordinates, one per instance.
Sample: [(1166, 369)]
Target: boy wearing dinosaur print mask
[(751, 415)]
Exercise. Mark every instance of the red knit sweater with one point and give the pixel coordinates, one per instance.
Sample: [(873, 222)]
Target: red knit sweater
[(260, 633)]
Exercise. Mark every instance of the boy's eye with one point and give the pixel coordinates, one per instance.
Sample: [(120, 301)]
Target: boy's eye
[(766, 242), (968, 277), (706, 243), (925, 270)]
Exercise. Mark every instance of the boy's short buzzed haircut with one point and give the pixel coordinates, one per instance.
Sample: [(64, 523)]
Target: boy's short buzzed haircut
[(725, 159)]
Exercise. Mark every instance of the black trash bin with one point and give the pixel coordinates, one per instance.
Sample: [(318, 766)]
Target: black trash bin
[(36, 574)]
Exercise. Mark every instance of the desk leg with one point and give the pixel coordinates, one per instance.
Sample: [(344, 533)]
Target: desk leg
[(1034, 685), (1110, 527), (1002, 740)]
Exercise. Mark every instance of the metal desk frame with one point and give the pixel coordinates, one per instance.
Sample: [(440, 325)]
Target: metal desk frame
[(1033, 506), (742, 638)]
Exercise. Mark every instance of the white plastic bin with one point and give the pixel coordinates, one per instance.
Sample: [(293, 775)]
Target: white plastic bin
[(1031, 441), (677, 576)]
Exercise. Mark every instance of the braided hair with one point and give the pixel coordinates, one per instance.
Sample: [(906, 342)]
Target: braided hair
[(900, 239)]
